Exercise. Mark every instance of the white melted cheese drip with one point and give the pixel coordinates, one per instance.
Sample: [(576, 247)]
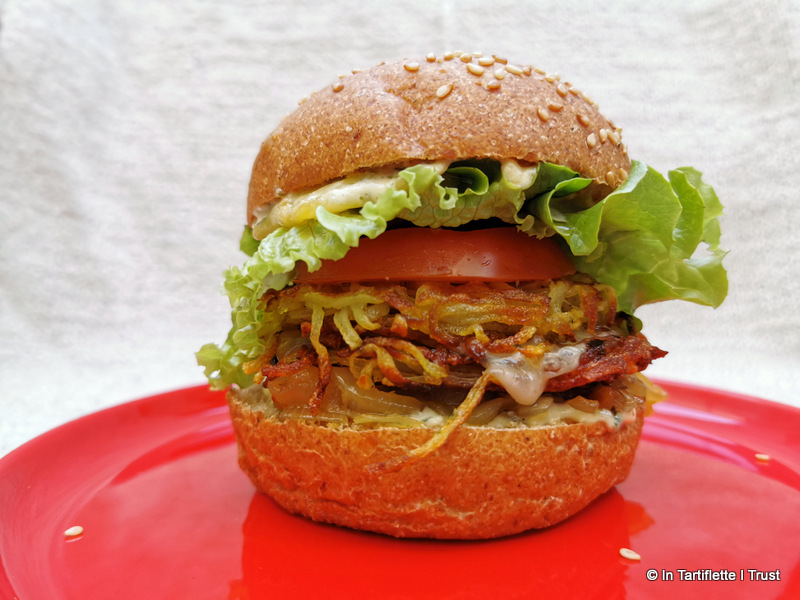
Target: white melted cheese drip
[(525, 378)]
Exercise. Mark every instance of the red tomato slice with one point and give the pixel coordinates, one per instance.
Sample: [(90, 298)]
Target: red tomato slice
[(424, 254)]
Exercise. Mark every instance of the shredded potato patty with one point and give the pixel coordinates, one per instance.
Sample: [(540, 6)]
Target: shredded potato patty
[(421, 335)]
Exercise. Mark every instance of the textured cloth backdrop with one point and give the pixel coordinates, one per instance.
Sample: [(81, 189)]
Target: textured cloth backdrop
[(128, 129)]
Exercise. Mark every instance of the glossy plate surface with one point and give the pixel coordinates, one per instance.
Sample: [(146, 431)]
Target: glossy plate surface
[(166, 513)]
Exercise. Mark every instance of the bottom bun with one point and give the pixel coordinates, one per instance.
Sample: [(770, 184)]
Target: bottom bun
[(482, 483)]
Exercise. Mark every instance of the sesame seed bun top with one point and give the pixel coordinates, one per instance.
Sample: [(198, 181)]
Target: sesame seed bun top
[(447, 107)]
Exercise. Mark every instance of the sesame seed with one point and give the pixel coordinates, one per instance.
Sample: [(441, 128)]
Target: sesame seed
[(457, 53), (348, 129), (611, 179), (514, 70), (591, 140), (623, 174), (493, 85), (411, 67), (549, 78), (337, 87), (562, 90), (540, 71), (467, 58), (500, 59), (74, 531), (555, 106), (629, 554), (603, 136), (448, 55), (763, 457), (444, 90), (583, 120), (574, 91), (475, 69), (589, 100), (486, 61), (431, 57), (527, 70), (500, 74), (615, 137), (477, 54), (542, 114)]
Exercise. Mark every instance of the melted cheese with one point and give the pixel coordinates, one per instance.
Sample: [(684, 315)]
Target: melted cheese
[(298, 207), (525, 378), (349, 193)]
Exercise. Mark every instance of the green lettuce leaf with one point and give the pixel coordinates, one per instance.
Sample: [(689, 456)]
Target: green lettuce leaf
[(651, 239), (656, 240)]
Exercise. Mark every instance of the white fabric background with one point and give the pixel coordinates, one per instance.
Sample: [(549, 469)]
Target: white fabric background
[(128, 129)]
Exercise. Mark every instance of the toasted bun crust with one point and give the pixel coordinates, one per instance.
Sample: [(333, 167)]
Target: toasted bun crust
[(436, 109), (482, 483)]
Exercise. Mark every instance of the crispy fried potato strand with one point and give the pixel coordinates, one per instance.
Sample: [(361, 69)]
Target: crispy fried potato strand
[(458, 418)]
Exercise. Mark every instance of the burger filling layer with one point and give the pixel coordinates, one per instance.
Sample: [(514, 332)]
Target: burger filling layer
[(445, 354)]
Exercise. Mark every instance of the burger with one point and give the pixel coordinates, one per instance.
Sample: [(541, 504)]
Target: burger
[(433, 334)]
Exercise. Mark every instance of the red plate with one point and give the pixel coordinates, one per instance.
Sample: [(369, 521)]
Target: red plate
[(167, 514)]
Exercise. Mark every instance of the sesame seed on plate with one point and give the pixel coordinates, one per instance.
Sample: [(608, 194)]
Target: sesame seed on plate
[(629, 554), (73, 531)]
